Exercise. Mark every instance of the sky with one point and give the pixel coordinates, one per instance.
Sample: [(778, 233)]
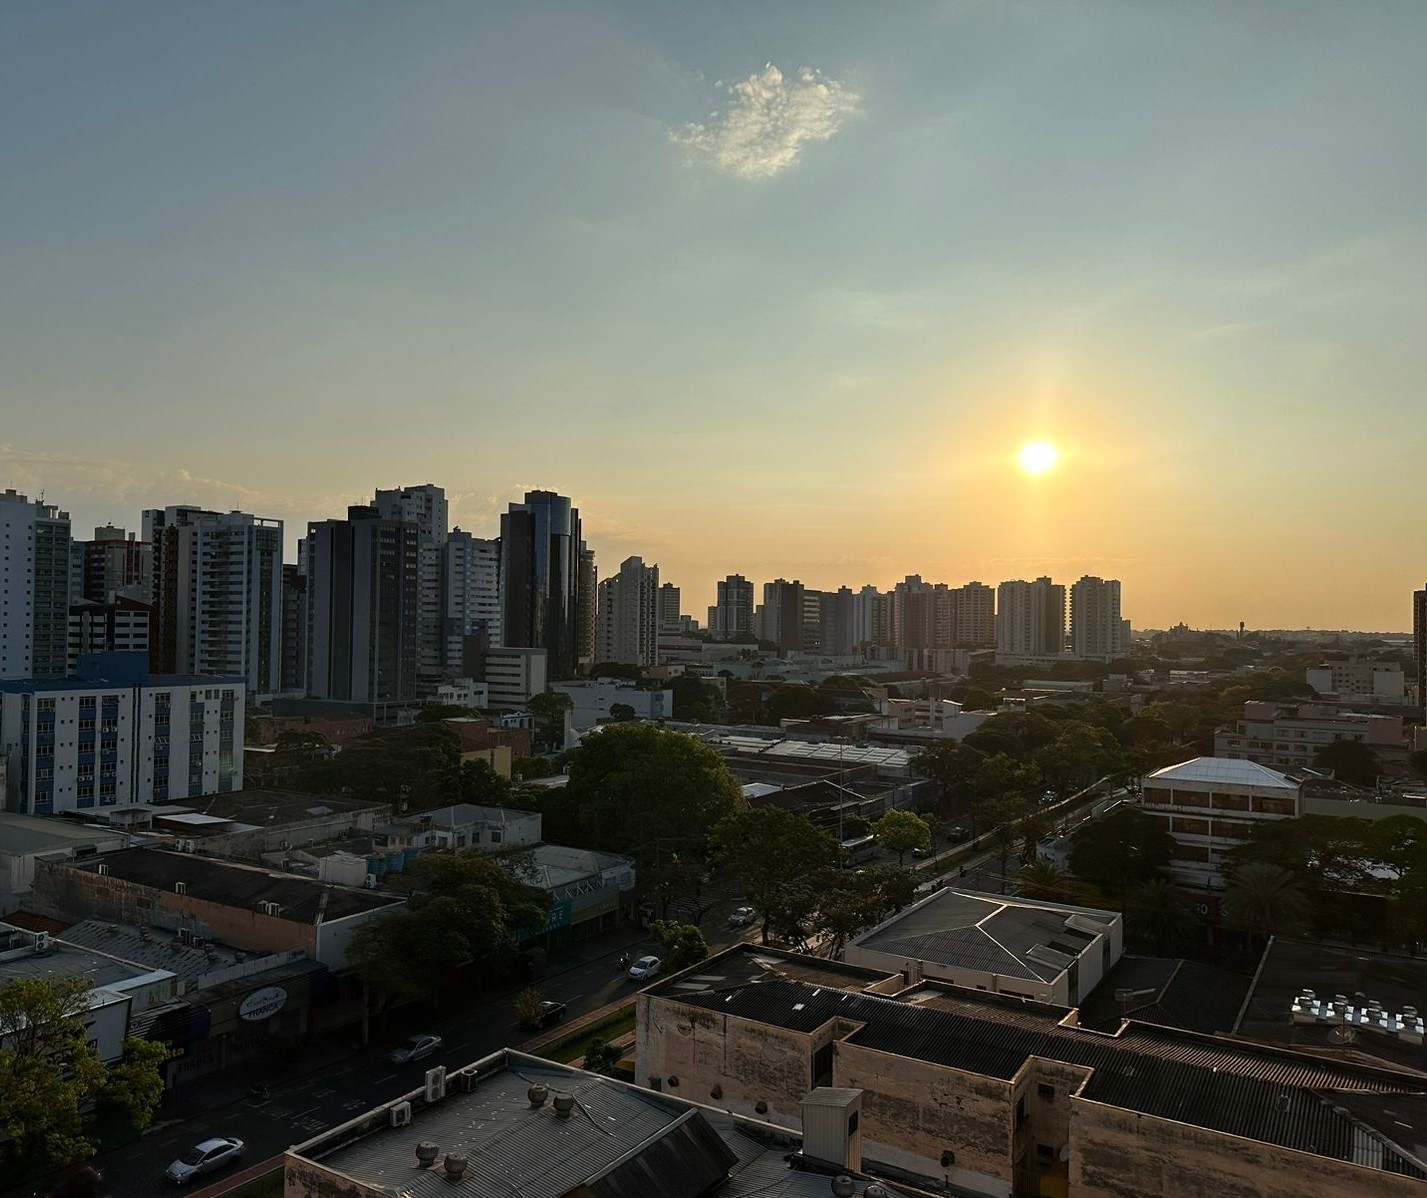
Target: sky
[(771, 288)]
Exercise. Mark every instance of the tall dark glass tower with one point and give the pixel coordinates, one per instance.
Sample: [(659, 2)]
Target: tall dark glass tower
[(540, 573)]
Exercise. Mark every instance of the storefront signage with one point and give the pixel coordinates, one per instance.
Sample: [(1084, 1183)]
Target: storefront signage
[(262, 1004)]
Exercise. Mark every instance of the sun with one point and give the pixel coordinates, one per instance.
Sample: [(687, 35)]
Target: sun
[(1037, 457)]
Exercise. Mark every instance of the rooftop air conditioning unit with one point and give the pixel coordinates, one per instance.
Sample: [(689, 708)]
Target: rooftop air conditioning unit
[(371, 881), (400, 1114), (436, 1084)]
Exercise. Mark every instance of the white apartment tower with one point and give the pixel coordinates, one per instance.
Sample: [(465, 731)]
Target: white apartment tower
[(217, 594), (669, 613), (34, 588), (471, 599), (628, 615), (1095, 626), (1030, 618), (424, 506)]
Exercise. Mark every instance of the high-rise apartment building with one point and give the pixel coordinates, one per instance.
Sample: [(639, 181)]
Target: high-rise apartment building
[(783, 614), (540, 573), (1419, 641), (973, 618), (362, 600), (1030, 618), (1095, 625), (629, 615), (669, 614), (217, 594), (115, 562), (732, 615), (294, 627), (471, 604), (424, 506), (586, 608), (121, 626), (34, 588)]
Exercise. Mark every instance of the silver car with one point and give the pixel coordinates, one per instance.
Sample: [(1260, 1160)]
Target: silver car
[(416, 1049), (204, 1158)]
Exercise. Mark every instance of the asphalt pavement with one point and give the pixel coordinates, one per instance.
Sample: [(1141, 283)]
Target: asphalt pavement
[(335, 1081)]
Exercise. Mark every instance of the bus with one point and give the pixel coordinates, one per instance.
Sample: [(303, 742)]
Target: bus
[(859, 849)]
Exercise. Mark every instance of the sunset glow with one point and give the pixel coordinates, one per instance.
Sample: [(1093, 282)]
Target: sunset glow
[(1038, 457)]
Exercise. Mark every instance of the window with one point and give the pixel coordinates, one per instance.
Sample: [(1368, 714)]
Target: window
[(1045, 1091), (1020, 1112), (1045, 1154)]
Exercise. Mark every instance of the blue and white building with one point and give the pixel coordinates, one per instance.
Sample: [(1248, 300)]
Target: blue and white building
[(114, 734)]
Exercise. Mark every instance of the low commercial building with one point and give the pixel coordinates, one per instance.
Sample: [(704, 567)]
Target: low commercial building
[(1341, 679), (1050, 952), (584, 886), (469, 826), (513, 676), (594, 701), (120, 991), (115, 734), (1289, 737), (254, 909), (251, 825), (1210, 805), (1002, 1096), (26, 839), (512, 1124)]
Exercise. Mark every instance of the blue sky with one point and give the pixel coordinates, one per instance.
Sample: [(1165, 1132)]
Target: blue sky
[(769, 288)]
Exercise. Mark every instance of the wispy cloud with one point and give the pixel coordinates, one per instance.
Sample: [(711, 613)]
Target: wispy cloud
[(768, 118)]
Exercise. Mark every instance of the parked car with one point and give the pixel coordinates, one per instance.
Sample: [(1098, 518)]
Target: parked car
[(416, 1049), (207, 1157), (921, 852), (644, 969), (547, 1013), (79, 1181), (742, 917)]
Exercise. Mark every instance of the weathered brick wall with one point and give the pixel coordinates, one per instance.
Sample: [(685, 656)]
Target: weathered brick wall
[(1120, 1154)]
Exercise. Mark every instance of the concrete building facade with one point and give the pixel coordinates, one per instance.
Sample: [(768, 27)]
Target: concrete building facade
[(630, 612), (732, 615), (1095, 625), (1290, 736), (541, 568), (1030, 618), (470, 603), (425, 507)]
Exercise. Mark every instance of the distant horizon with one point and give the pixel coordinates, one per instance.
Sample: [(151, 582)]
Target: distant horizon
[(823, 291)]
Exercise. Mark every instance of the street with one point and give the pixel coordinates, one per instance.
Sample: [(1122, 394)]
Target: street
[(319, 1096)]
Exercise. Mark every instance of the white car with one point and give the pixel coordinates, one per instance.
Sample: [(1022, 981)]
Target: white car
[(742, 917), (644, 969), (204, 1158)]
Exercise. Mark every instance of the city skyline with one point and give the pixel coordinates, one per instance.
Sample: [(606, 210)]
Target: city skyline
[(781, 291)]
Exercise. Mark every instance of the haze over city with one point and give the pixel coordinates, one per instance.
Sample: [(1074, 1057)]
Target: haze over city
[(783, 290)]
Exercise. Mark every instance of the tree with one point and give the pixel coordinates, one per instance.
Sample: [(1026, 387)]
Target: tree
[(696, 701), (1125, 849), (1157, 914), (51, 1074), (471, 782), (396, 766), (1044, 882), (976, 699), (303, 741), (617, 669), (851, 901), (1351, 761), (134, 1086), (622, 713), (463, 907), (953, 768), (683, 945), (1264, 899), (898, 831), (601, 1056), (655, 795), (775, 853), (1003, 815), (526, 1006), (549, 710)]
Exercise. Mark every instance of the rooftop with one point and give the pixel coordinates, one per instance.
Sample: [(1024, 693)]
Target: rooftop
[(1255, 1091), (618, 1142), (24, 834), (62, 959), (235, 885), (1168, 992), (272, 807), (550, 866), (154, 949), (463, 814), (1012, 937), (1224, 771)]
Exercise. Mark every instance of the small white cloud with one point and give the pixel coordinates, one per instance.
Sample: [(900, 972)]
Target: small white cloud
[(768, 118)]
